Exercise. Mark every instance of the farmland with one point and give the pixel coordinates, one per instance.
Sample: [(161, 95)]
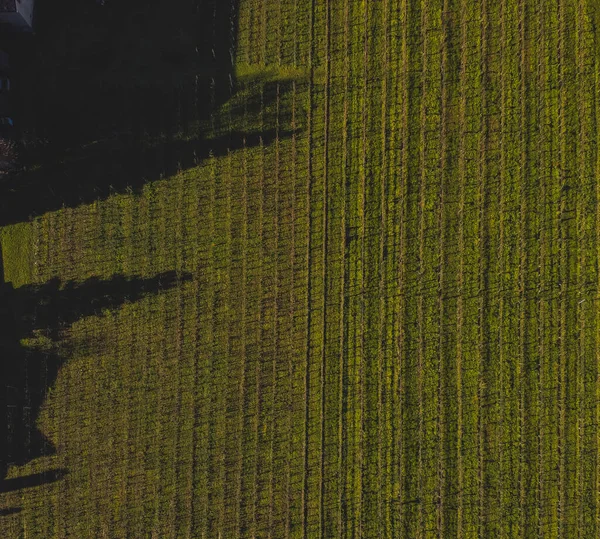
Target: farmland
[(356, 296)]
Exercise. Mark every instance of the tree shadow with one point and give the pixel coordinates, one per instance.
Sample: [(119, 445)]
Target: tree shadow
[(10, 511), (27, 373), (110, 168), (32, 480), (109, 97), (89, 66)]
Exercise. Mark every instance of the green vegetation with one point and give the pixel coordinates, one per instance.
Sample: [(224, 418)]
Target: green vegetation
[(390, 328), (17, 245)]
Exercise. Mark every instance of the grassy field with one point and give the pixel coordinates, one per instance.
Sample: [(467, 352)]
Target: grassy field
[(369, 309)]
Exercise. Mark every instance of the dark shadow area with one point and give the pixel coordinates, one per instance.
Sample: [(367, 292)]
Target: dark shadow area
[(55, 305), (108, 97), (90, 67), (265, 94), (109, 168), (33, 480), (26, 373), (10, 511)]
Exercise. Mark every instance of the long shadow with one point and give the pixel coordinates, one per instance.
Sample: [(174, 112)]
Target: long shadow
[(97, 83), (109, 168), (27, 373), (10, 511), (33, 480), (91, 89)]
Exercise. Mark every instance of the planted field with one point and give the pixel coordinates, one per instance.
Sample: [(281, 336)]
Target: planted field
[(356, 298)]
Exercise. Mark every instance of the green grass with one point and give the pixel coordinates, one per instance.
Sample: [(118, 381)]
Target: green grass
[(18, 253), (391, 327)]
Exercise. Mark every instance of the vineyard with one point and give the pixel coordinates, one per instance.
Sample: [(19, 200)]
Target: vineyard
[(357, 298)]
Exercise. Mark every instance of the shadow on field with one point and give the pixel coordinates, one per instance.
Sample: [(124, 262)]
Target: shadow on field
[(110, 95), (109, 168), (33, 480), (9, 511), (45, 311), (90, 68)]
